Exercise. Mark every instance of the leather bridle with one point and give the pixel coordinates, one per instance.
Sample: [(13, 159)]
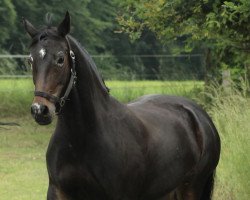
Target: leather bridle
[(60, 101)]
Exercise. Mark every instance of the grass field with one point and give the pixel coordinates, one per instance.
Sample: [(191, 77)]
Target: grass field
[(232, 116), (22, 149), (17, 94), (22, 160)]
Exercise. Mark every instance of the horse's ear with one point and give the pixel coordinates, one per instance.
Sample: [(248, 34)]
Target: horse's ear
[(31, 30), (64, 28)]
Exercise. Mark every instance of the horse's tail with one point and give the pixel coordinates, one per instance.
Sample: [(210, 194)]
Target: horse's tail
[(208, 188)]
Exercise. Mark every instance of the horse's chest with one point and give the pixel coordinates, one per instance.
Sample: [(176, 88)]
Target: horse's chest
[(65, 165), (91, 173), (72, 176)]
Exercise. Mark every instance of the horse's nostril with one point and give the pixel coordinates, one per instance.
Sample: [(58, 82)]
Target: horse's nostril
[(41, 113), (44, 110)]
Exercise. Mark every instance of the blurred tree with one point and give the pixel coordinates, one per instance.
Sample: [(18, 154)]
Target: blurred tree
[(7, 19), (7, 65), (220, 27), (103, 18), (84, 27), (18, 40), (95, 26)]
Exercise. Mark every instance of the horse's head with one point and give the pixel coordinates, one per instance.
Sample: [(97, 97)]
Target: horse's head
[(52, 63)]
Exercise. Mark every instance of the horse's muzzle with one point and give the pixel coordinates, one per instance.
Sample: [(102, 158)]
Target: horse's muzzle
[(41, 114)]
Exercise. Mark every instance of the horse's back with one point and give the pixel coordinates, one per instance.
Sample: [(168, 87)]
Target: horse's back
[(173, 112), (161, 100), (182, 137), (173, 108)]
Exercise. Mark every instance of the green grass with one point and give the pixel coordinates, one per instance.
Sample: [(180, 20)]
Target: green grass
[(17, 94), (23, 173), (232, 115), (126, 91)]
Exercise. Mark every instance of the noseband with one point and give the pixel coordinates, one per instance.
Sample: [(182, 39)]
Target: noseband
[(60, 101)]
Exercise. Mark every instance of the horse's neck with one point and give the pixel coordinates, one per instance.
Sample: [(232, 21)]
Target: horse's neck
[(81, 115), (87, 100), (83, 110)]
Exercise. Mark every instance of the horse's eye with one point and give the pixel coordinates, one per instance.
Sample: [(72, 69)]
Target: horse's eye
[(60, 61)]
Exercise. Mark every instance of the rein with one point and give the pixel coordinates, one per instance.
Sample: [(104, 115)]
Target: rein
[(60, 101)]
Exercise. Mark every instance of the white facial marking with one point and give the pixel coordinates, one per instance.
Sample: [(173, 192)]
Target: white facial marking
[(38, 107), (42, 53)]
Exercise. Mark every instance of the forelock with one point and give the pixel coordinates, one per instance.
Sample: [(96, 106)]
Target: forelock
[(43, 34)]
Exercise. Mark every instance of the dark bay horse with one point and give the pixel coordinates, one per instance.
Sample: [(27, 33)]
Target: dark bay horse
[(155, 148)]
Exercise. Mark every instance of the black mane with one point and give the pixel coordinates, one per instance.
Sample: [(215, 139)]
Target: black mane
[(89, 61)]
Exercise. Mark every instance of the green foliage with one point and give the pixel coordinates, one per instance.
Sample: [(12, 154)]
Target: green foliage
[(195, 20), (7, 65), (89, 21), (95, 26), (222, 26), (110, 70), (8, 17)]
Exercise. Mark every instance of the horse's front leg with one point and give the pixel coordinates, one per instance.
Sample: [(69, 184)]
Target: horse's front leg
[(55, 194), (51, 193)]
